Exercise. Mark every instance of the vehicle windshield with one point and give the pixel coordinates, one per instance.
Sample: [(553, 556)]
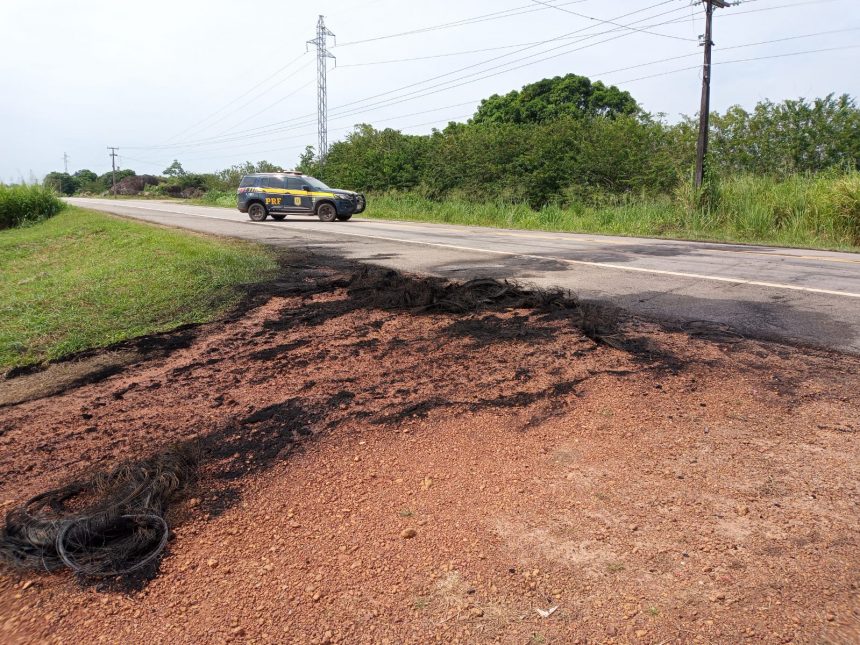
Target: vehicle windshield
[(314, 183)]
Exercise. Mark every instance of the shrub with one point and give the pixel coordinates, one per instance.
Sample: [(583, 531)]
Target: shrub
[(219, 198), (843, 199), (23, 204)]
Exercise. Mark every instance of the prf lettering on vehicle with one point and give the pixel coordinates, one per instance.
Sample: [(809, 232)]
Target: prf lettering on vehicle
[(278, 194)]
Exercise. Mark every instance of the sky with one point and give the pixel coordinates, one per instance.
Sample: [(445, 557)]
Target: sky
[(213, 83)]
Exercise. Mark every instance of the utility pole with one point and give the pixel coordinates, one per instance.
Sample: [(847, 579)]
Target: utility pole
[(113, 150), (65, 163), (322, 93), (705, 108)]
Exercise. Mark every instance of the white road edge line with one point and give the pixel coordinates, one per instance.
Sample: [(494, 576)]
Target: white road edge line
[(605, 265)]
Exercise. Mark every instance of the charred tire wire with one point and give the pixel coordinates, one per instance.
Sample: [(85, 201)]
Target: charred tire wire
[(111, 524), (388, 289)]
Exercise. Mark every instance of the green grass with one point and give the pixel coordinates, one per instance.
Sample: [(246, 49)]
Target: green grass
[(812, 212), (223, 198), (21, 205), (84, 279)]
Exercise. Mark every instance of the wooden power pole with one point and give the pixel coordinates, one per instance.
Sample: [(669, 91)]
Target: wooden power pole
[(113, 150), (705, 108)]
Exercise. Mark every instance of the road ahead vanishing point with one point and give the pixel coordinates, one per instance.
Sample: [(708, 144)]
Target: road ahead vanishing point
[(810, 297)]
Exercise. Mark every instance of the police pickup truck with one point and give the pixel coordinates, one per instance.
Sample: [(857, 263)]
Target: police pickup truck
[(278, 194)]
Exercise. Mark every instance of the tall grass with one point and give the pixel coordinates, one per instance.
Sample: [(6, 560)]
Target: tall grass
[(24, 204), (226, 198), (809, 211)]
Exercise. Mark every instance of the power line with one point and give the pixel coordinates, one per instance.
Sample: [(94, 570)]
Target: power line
[(609, 22), (659, 74), (788, 54), (267, 108), (252, 99), (495, 15), (482, 63), (534, 42), (198, 124), (674, 71), (481, 74), (238, 98), (740, 60), (755, 44), (774, 8), (351, 109), (797, 37), (433, 56), (306, 134), (348, 127)]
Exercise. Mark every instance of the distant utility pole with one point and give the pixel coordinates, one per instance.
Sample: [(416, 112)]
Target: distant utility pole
[(322, 94), (113, 150), (705, 109), (65, 163)]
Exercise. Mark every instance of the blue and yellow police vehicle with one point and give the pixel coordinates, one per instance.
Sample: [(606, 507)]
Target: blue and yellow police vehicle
[(278, 194)]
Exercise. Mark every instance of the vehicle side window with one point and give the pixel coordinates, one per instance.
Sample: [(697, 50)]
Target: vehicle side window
[(295, 183), (274, 182), (247, 182)]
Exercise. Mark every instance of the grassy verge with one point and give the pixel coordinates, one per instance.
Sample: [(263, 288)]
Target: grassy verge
[(84, 279), (811, 212)]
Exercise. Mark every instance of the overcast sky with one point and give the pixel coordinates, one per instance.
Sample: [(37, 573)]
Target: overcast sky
[(80, 76)]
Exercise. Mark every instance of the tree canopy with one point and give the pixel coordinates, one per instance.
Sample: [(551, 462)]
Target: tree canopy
[(174, 170), (552, 98)]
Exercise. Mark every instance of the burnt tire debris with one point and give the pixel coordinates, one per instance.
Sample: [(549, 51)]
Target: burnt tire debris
[(115, 523), (110, 524)]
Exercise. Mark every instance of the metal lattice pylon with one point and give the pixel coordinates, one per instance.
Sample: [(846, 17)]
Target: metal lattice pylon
[(322, 93)]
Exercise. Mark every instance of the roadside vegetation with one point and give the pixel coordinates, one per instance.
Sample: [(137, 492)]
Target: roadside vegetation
[(84, 279), (20, 205), (802, 210), (570, 154)]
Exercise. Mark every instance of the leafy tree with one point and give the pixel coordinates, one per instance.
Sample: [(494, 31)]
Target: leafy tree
[(229, 178), (370, 159), (88, 181), (267, 166), (307, 162), (85, 176), (62, 182), (551, 98), (782, 138), (174, 170)]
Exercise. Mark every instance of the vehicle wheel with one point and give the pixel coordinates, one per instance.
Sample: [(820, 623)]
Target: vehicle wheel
[(278, 218), (326, 212), (344, 218), (257, 212)]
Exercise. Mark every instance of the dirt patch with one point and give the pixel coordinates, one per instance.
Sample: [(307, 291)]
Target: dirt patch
[(380, 466), (36, 381), (62, 376)]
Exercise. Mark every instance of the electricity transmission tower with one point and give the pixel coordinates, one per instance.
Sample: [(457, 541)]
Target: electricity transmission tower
[(705, 108), (66, 163), (322, 94), (113, 150)]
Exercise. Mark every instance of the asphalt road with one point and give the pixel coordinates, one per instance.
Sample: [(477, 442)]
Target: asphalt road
[(809, 297)]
